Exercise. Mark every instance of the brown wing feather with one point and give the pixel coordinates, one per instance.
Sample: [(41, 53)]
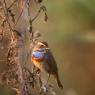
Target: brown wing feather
[(53, 68), (51, 63)]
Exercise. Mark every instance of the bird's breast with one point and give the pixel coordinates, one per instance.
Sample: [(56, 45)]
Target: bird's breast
[(39, 59), (38, 62)]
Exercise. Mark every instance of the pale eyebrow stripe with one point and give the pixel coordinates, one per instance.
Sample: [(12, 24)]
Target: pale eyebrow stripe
[(41, 43)]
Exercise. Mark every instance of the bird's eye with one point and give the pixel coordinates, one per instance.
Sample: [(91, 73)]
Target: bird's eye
[(41, 45)]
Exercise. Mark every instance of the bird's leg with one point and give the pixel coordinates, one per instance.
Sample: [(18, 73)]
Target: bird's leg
[(33, 69), (38, 71), (40, 80), (48, 79)]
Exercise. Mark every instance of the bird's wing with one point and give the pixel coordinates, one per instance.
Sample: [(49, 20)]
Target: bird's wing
[(51, 61)]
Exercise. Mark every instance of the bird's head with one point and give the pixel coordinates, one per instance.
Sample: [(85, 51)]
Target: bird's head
[(41, 45)]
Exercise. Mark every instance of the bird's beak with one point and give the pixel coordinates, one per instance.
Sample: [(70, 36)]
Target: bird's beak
[(47, 48)]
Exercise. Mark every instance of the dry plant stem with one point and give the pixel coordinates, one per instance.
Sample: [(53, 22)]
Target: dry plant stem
[(12, 4), (7, 19), (22, 86), (22, 83), (20, 13), (48, 79)]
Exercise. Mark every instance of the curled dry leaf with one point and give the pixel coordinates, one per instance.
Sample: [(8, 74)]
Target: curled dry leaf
[(45, 13), (45, 17)]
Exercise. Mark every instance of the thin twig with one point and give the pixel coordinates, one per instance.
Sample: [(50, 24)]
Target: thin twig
[(12, 4), (20, 14), (36, 15)]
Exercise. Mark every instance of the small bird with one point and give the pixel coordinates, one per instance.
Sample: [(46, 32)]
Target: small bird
[(44, 60)]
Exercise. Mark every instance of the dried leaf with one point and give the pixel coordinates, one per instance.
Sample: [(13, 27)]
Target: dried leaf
[(45, 17)]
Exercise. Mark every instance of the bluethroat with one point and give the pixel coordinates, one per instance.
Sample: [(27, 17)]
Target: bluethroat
[(43, 59)]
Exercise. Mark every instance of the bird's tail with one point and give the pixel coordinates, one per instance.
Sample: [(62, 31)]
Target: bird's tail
[(58, 81)]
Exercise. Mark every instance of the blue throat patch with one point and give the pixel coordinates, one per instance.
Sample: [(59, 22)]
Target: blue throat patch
[(40, 53)]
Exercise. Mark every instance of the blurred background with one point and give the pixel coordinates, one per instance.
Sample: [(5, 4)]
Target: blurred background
[(70, 32)]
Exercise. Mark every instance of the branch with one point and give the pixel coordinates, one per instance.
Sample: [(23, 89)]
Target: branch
[(7, 19), (12, 4)]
